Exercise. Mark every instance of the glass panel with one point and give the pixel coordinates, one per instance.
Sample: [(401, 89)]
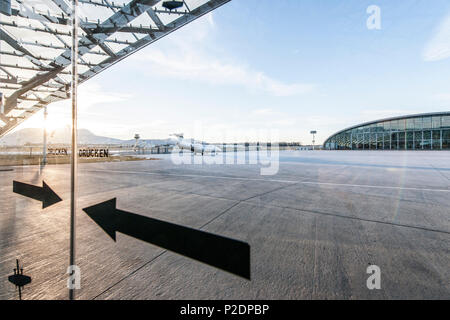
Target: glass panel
[(418, 139), (410, 136), (410, 140), (436, 144), (410, 124), (418, 123), (347, 141), (360, 142), (418, 136), (436, 122), (113, 109), (366, 141), (426, 143), (387, 141), (379, 137), (426, 122), (446, 144), (436, 134), (409, 144), (373, 141), (380, 127), (401, 140), (445, 121), (446, 134), (35, 151), (394, 125), (394, 141)]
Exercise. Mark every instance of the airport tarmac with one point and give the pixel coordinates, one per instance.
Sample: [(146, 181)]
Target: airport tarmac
[(314, 227)]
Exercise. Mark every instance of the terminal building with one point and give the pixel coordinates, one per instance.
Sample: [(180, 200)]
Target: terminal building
[(427, 131)]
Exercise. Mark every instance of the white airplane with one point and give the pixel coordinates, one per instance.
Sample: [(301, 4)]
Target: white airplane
[(192, 145)]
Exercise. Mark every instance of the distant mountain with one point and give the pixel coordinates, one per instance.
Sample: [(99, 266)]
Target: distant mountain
[(63, 136)]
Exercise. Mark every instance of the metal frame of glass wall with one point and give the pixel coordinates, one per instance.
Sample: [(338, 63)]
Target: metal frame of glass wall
[(430, 131)]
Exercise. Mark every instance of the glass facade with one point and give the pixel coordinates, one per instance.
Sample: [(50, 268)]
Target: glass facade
[(416, 132)]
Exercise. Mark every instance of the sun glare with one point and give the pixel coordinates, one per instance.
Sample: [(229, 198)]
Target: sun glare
[(54, 123)]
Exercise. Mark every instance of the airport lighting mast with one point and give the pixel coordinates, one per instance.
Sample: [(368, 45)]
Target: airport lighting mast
[(136, 144), (313, 132)]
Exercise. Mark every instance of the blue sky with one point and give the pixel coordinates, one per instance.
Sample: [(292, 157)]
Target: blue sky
[(286, 66)]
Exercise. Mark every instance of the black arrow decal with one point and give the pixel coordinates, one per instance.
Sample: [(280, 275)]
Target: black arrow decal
[(44, 193), (223, 253)]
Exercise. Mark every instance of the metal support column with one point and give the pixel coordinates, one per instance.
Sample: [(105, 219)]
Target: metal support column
[(44, 149), (73, 158)]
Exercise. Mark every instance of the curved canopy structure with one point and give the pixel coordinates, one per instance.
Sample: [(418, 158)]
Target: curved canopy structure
[(35, 44), (426, 131)]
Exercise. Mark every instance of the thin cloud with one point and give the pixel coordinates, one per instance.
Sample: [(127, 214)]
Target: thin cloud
[(92, 94), (385, 113), (199, 67), (210, 19), (188, 56), (438, 48), (442, 97), (264, 112)]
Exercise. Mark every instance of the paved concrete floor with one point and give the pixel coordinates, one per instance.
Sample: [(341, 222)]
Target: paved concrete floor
[(313, 228)]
